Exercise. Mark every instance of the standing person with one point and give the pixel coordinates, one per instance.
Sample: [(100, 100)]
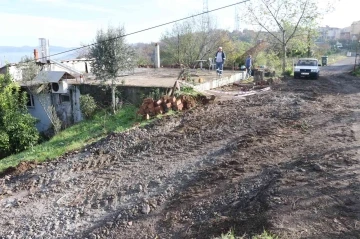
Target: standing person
[(248, 65), (219, 59)]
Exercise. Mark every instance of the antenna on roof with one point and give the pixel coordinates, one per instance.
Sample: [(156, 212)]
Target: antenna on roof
[(44, 50)]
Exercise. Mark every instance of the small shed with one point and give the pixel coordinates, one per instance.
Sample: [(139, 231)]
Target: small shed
[(51, 88)]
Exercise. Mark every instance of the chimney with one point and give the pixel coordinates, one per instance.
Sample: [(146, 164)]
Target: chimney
[(36, 55)]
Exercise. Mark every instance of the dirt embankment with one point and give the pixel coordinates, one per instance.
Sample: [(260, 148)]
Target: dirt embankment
[(285, 160)]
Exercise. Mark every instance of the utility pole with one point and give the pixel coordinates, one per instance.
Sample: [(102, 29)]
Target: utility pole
[(237, 19), (206, 16)]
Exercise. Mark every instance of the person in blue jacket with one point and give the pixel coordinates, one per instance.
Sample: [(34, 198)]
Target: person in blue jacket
[(220, 60), (248, 65)]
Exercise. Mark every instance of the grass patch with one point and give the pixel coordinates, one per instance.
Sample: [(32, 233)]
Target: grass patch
[(356, 72), (77, 136), (334, 58), (231, 235), (185, 90)]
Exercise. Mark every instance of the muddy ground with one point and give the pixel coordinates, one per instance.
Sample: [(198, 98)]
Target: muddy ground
[(286, 160)]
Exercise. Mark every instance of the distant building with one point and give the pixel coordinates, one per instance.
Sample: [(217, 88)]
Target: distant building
[(329, 33), (345, 33), (355, 30)]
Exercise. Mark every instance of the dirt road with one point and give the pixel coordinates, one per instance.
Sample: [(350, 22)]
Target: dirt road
[(286, 160)]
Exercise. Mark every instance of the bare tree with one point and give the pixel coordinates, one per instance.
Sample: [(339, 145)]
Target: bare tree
[(191, 40), (282, 19), (112, 57), (82, 52)]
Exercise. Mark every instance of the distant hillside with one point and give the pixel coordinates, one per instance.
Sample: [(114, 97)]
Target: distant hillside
[(11, 54)]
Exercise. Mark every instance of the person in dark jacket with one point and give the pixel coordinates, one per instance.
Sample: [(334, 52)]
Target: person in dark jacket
[(220, 59), (248, 65)]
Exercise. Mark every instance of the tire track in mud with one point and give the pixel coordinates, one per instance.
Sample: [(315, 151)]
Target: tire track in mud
[(115, 175), (205, 171)]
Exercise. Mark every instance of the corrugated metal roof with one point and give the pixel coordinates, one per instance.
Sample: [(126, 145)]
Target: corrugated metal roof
[(52, 76)]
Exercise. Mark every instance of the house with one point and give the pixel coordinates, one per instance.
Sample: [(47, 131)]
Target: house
[(345, 34), (328, 33), (51, 88), (355, 30), (13, 70)]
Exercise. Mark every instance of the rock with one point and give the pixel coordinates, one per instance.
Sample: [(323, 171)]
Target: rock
[(145, 209), (11, 223), (92, 236), (318, 167), (130, 223)]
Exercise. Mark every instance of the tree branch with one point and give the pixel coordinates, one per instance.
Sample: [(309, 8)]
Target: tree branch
[(298, 22), (277, 22)]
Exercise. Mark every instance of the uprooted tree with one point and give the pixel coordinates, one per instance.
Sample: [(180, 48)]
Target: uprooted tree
[(283, 19), (112, 57)]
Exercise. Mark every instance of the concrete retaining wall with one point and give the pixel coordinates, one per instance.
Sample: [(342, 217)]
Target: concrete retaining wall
[(216, 83)]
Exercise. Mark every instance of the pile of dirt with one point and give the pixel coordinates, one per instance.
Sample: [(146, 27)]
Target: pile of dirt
[(20, 168)]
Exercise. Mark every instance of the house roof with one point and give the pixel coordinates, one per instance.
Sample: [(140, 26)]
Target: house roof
[(52, 76), (48, 77)]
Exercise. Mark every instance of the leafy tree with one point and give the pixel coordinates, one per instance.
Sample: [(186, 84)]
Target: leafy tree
[(17, 126), (282, 19), (112, 57)]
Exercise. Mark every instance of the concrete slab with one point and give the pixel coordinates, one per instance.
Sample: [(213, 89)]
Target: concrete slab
[(159, 77)]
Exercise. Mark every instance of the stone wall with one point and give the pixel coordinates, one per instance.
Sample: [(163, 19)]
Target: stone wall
[(129, 94)]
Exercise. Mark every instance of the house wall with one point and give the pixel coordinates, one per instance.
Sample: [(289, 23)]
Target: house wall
[(41, 102), (131, 94), (13, 71), (355, 28), (68, 111), (81, 66)]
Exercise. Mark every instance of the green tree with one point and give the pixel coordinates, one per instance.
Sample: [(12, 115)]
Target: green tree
[(17, 126), (282, 19), (112, 57)]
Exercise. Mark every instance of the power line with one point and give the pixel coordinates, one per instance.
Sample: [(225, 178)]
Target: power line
[(146, 29)]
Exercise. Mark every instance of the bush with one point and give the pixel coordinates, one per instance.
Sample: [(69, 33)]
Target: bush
[(18, 131), (87, 106), (288, 72), (21, 131)]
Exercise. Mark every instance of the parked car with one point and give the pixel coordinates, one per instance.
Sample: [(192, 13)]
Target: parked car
[(307, 68)]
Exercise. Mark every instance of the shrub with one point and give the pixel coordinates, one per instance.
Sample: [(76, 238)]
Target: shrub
[(18, 131), (87, 105), (21, 131), (288, 72)]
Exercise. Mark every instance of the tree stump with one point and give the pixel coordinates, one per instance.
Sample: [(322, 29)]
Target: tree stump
[(258, 75)]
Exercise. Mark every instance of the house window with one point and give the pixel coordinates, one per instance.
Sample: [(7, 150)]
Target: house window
[(30, 100), (64, 98)]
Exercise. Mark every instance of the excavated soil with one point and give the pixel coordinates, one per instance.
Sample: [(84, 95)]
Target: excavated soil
[(284, 160)]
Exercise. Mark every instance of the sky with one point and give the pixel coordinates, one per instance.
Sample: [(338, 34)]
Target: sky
[(70, 23)]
